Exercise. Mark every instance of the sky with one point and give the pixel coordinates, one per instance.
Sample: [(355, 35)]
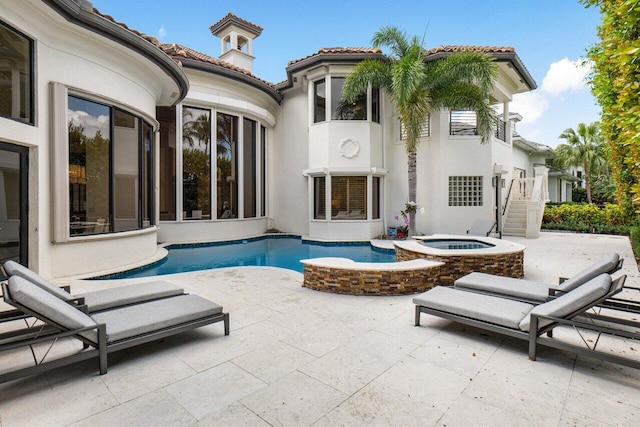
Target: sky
[(551, 38)]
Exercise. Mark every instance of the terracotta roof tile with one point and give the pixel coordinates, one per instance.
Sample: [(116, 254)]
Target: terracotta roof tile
[(154, 41), (338, 51), (486, 49), (231, 18), (178, 51)]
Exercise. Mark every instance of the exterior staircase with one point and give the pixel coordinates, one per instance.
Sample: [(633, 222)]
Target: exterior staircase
[(525, 204), (515, 222)]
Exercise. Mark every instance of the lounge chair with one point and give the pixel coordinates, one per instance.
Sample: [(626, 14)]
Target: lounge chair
[(105, 332), (481, 227), (103, 299), (531, 291), (529, 322)]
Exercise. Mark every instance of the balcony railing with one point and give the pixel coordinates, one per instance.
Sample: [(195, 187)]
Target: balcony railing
[(501, 129)]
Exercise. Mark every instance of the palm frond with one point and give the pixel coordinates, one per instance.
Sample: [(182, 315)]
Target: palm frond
[(368, 72)]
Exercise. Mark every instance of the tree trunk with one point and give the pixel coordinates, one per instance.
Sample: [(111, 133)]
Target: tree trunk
[(587, 184), (412, 175)]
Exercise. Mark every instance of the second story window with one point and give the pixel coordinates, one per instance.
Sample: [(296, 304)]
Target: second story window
[(16, 75), (319, 101), (341, 110)]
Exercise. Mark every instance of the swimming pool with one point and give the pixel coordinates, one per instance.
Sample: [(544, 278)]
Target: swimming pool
[(283, 252)]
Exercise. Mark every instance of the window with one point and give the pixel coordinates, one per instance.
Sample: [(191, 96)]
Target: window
[(375, 104), (348, 197), (167, 118), (196, 163), (425, 131), (463, 123), (110, 169), (375, 196), (341, 110), (319, 101), (16, 75), (319, 198), (227, 166), (263, 170), (465, 191), (249, 146)]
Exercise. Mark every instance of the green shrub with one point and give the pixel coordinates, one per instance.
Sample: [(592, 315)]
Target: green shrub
[(588, 218), (635, 239)]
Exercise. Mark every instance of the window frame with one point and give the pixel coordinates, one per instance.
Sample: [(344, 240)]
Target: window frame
[(32, 76)]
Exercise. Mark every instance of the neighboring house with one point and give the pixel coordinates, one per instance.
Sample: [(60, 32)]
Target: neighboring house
[(120, 142)]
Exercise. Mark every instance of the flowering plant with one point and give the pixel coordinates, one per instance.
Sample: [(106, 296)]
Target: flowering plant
[(409, 207)]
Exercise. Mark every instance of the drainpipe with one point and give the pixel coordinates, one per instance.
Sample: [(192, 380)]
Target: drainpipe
[(498, 171)]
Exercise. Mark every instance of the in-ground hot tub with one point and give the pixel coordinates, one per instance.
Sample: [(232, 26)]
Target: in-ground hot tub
[(465, 254)]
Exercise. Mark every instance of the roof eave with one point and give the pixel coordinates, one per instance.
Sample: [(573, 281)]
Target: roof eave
[(322, 58), (235, 75), (511, 57), (76, 14)]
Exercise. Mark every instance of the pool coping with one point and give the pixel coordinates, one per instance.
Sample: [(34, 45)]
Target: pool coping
[(500, 247)]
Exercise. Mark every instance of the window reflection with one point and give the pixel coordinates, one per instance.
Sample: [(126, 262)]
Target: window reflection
[(227, 166), (341, 110), (89, 145), (196, 163), (16, 80)]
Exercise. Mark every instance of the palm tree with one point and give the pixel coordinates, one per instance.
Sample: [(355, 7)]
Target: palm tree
[(461, 81), (584, 148)]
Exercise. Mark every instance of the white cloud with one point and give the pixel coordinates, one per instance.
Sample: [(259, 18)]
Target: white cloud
[(562, 76), (162, 32), (565, 75), (530, 105), (91, 124)]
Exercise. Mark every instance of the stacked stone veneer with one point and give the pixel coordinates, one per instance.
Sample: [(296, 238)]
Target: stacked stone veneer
[(456, 266), (370, 282)]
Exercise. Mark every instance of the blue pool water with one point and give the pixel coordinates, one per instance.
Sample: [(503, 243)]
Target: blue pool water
[(284, 252)]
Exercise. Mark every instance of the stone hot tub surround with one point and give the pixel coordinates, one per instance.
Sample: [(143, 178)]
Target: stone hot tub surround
[(345, 276), (504, 258)]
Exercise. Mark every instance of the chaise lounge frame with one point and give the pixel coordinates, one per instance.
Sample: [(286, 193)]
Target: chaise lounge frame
[(535, 335), (51, 332)]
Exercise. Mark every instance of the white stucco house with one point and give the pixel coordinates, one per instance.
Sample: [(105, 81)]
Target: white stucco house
[(111, 143)]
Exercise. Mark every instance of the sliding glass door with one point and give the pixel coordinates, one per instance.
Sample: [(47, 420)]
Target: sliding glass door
[(14, 172)]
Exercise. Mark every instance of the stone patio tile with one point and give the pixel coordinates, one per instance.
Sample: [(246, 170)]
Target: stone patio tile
[(534, 397), (150, 367), (415, 377), (233, 415), (378, 405), (208, 347), (467, 360), (610, 409), (154, 409), (68, 401), (607, 379), (573, 419), (273, 361), (212, 390), (364, 356), (295, 400), (467, 411)]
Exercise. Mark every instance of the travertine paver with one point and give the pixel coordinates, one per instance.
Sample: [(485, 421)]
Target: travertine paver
[(301, 357)]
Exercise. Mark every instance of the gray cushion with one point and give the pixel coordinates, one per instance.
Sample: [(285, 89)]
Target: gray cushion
[(43, 303), (582, 297), (487, 308), (130, 294), (605, 265), (127, 322), (517, 288), (14, 269)]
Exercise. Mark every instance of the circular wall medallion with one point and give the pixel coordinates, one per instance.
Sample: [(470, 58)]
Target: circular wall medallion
[(349, 148)]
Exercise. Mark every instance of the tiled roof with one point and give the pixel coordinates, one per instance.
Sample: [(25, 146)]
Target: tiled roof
[(178, 51), (230, 18), (338, 51), (486, 49), (154, 41)]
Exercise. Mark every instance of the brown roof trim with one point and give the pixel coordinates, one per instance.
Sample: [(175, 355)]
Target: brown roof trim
[(231, 19), (190, 58), (504, 53), (81, 13), (330, 55)]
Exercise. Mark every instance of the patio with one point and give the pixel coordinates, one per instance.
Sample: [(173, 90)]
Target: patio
[(301, 357)]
